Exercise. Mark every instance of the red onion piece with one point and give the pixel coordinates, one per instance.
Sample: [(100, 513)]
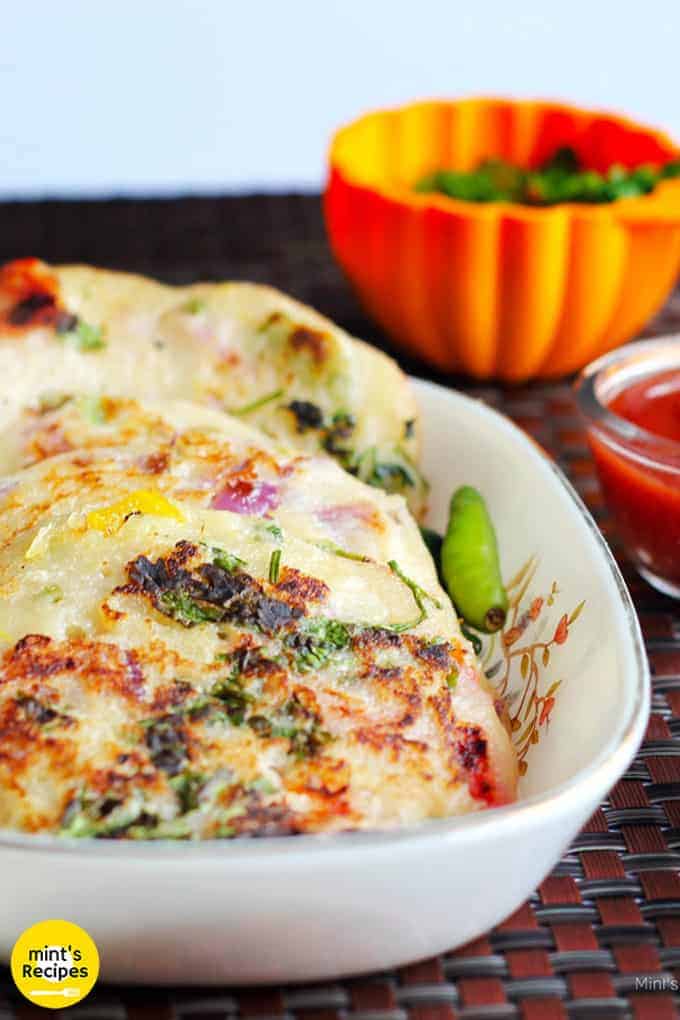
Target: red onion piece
[(256, 499), (347, 513)]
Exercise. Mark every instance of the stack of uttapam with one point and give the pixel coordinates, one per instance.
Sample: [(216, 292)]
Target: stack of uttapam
[(210, 629)]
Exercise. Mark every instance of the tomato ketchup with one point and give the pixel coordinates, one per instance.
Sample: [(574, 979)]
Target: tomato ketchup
[(653, 403), (638, 461)]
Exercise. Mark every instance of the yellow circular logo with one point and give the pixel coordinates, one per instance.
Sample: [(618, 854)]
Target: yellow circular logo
[(55, 964)]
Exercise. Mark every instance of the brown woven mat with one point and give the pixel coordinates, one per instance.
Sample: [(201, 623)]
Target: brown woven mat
[(601, 936)]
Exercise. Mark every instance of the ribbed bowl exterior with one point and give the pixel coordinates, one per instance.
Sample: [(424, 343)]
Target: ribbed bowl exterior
[(499, 290)]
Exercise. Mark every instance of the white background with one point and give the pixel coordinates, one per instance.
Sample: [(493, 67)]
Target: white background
[(164, 96)]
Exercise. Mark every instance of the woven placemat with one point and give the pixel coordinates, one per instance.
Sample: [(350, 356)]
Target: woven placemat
[(600, 938)]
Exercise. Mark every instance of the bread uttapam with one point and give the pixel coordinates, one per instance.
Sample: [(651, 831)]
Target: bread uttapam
[(239, 347), (173, 669)]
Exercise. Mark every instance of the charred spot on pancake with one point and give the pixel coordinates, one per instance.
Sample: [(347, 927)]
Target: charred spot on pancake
[(301, 723), (471, 746), (48, 441), (33, 295), (165, 572), (437, 653), (36, 656), (376, 637), (271, 320), (311, 341), (100, 665), (37, 711), (208, 594), (301, 588), (260, 819), (155, 463), (29, 309), (26, 720), (251, 662), (307, 415), (172, 695), (472, 753), (337, 437), (114, 782), (271, 614), (382, 674), (166, 741), (325, 778), (383, 739), (65, 322)]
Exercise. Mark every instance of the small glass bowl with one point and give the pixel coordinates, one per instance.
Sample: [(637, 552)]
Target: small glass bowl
[(639, 472)]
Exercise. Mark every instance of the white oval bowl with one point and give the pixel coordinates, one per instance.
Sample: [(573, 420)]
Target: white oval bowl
[(315, 907)]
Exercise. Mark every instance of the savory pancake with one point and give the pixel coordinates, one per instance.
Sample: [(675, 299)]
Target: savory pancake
[(239, 347), (208, 635), (200, 457)]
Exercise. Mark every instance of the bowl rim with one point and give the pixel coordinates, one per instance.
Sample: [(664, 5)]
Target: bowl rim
[(650, 450), (661, 203), (602, 771)]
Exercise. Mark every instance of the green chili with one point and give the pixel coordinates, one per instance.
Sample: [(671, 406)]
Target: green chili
[(470, 564)]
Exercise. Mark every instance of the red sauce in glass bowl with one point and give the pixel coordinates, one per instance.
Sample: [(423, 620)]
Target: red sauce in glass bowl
[(640, 472), (653, 403)]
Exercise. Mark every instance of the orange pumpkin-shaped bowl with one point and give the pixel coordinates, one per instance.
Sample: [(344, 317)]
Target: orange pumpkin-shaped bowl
[(499, 289)]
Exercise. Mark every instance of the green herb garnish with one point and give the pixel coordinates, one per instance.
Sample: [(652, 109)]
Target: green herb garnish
[(263, 785), (91, 408), (420, 596), (84, 337), (228, 561), (275, 567), (337, 436), (188, 785), (180, 606), (233, 697), (301, 728), (316, 641), (561, 178), (93, 816), (344, 554), (257, 404), (392, 471)]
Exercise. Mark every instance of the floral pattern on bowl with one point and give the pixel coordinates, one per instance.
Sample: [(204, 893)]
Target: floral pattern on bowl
[(516, 670)]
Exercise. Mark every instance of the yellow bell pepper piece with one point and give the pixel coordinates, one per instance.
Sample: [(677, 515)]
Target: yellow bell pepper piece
[(111, 518)]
